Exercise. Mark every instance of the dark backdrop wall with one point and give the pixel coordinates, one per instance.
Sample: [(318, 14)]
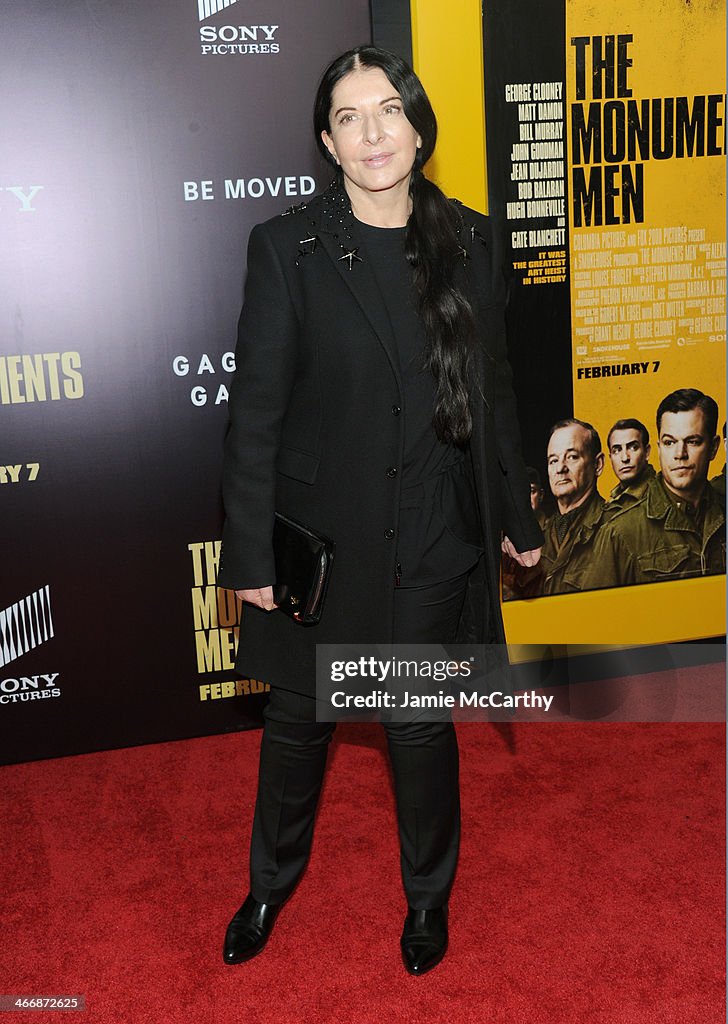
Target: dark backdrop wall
[(392, 26), (141, 143)]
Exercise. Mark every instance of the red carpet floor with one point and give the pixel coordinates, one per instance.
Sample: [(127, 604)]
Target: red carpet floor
[(590, 886)]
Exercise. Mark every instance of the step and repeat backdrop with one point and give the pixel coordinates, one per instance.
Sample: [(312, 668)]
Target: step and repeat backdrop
[(141, 142)]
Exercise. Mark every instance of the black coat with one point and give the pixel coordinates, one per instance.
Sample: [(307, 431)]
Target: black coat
[(316, 426)]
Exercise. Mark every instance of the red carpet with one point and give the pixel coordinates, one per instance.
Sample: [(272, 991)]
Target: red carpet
[(590, 886)]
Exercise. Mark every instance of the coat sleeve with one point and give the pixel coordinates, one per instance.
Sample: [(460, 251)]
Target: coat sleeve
[(265, 359), (519, 522)]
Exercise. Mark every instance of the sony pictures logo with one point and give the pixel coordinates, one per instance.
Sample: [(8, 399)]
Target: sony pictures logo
[(223, 40), (25, 625)]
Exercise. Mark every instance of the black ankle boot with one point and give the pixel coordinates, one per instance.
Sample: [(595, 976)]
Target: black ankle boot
[(424, 939), (249, 930)]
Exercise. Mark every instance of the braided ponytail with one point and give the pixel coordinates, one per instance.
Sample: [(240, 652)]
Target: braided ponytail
[(433, 249)]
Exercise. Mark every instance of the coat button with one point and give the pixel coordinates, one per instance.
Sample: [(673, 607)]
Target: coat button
[(389, 534), (392, 471), (396, 410)]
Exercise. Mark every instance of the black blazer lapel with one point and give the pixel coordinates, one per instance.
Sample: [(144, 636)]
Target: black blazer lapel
[(336, 231)]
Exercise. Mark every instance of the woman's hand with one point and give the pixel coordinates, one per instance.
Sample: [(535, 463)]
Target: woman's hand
[(525, 558), (262, 597)]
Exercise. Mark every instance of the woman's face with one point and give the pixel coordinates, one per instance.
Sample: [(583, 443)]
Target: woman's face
[(370, 136)]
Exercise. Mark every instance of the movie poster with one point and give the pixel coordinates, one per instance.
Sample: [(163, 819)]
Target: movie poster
[(606, 164)]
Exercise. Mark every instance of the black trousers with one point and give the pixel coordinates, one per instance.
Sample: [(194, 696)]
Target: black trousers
[(424, 758)]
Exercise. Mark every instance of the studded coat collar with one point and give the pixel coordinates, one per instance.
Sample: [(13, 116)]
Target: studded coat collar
[(330, 213), (327, 224)]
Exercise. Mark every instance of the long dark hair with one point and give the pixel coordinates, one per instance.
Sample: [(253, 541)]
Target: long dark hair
[(432, 244)]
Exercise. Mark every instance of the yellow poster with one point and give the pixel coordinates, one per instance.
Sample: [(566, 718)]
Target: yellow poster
[(646, 138), (643, 169)]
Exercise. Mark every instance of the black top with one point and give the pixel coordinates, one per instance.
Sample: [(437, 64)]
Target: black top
[(437, 497), (424, 455)]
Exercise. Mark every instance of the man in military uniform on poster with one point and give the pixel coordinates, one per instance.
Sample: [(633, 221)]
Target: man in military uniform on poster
[(537, 494), (677, 530), (628, 445), (575, 461)]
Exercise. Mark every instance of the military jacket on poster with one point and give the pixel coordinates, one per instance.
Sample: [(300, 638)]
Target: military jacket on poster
[(624, 496), (564, 563), (660, 539)]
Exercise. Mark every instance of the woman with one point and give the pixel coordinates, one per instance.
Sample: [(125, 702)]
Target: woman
[(372, 402)]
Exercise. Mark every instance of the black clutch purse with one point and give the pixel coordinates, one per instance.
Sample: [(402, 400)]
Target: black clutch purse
[(303, 567)]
